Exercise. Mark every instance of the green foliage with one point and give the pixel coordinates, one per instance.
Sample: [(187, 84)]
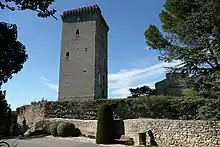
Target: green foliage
[(141, 91), (190, 34), (105, 125), (161, 107), (65, 129), (210, 110), (13, 124), (8, 121), (157, 107), (208, 85), (43, 100), (39, 6), (77, 132), (12, 52), (190, 94), (5, 115), (47, 125), (154, 38), (53, 128)]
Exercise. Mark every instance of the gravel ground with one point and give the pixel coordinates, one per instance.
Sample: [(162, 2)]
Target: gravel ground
[(86, 140), (50, 141)]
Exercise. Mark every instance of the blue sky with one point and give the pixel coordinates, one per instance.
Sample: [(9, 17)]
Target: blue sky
[(130, 63)]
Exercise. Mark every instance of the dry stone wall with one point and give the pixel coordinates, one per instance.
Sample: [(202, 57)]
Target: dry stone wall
[(177, 133), (167, 133), (30, 114)]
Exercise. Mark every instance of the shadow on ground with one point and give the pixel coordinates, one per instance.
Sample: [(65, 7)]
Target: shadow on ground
[(31, 137), (22, 137)]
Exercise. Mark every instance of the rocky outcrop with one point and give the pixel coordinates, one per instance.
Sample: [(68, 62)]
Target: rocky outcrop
[(38, 128)]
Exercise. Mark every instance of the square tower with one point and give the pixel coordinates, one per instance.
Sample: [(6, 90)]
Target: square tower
[(83, 57)]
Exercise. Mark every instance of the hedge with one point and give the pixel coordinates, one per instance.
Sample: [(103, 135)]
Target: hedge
[(157, 107)]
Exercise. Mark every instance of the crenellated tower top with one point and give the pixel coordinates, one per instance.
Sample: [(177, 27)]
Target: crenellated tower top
[(88, 13)]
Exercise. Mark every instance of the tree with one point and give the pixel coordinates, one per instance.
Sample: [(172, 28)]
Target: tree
[(12, 52), (39, 6), (141, 91), (191, 35), (5, 114), (12, 57), (105, 125)]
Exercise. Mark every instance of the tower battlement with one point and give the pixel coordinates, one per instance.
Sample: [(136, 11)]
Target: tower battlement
[(83, 10), (87, 13)]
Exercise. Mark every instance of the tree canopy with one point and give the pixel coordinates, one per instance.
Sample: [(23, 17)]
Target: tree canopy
[(39, 6), (12, 52), (141, 91), (190, 34)]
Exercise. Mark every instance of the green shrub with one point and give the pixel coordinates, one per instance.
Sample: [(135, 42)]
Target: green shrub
[(17, 130), (187, 107), (210, 110), (190, 94), (65, 129), (77, 133), (53, 128), (46, 127), (105, 125)]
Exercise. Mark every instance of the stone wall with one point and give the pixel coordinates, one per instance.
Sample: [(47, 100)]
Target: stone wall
[(167, 133), (171, 86), (31, 114), (175, 133), (123, 109)]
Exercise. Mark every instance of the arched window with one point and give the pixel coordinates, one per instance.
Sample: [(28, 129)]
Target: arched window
[(67, 54), (77, 32), (99, 79)]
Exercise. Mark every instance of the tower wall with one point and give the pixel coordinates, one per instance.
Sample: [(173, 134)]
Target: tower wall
[(101, 62), (83, 57)]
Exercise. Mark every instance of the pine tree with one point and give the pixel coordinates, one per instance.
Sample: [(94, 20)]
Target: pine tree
[(190, 34)]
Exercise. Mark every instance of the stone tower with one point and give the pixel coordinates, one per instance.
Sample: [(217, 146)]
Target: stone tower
[(84, 52)]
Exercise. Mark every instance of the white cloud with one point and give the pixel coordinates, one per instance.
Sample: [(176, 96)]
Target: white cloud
[(46, 82), (52, 86), (120, 82)]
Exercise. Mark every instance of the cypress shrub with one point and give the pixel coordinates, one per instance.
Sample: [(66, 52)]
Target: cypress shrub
[(77, 132), (105, 125)]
